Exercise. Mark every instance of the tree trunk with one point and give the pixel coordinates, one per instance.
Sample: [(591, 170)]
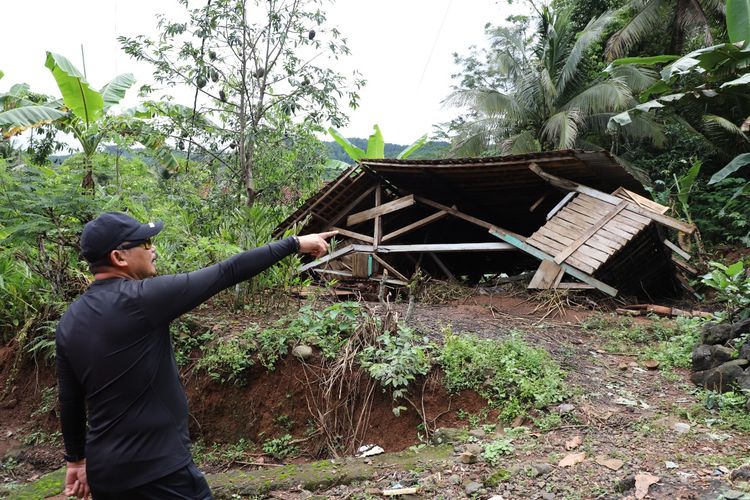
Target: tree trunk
[(248, 174)]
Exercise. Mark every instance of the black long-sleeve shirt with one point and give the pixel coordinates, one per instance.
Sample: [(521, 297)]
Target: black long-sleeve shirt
[(116, 369)]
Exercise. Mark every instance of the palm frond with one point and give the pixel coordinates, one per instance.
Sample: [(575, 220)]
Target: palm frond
[(605, 96), (525, 142), (645, 22), (590, 34), (638, 78), (562, 128), (689, 14), (718, 127), (507, 65)]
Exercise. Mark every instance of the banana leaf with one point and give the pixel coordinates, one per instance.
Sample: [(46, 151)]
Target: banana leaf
[(15, 121), (738, 20), (114, 91), (353, 151), (85, 103), (375, 144), (412, 148), (731, 167)]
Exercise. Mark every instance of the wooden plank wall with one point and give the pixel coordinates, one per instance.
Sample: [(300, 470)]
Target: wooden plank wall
[(578, 216)]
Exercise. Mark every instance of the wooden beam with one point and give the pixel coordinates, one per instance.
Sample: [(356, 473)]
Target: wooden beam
[(344, 176), (352, 234), (547, 276), (442, 266), (390, 268), (343, 213), (456, 213), (679, 251), (538, 201), (521, 244), (588, 233), (377, 230), (614, 200), (383, 209), (377, 278), (639, 200), (575, 286), (415, 225), (438, 247), (326, 258), (559, 206)]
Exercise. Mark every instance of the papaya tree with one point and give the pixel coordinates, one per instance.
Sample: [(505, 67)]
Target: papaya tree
[(83, 112), (249, 60)]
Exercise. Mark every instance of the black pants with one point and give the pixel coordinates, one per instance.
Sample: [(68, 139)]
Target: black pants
[(187, 483)]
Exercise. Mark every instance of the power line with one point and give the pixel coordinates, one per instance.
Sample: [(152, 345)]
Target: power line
[(434, 44)]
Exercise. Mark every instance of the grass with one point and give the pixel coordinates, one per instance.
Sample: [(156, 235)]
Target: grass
[(509, 374)]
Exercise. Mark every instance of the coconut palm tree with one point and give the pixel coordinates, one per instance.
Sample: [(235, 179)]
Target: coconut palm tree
[(677, 18), (549, 102)]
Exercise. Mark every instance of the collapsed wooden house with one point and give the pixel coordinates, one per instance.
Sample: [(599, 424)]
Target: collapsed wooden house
[(580, 213)]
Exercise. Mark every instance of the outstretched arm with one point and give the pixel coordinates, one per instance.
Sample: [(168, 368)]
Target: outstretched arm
[(167, 297)]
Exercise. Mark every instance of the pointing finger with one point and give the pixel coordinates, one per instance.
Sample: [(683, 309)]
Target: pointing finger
[(328, 234)]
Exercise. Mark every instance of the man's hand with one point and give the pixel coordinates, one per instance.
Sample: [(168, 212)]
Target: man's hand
[(315, 244), (75, 480)]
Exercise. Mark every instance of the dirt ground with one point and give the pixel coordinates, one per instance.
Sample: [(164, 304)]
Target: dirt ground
[(623, 424)]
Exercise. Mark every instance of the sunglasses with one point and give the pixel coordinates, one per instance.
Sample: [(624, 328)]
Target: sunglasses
[(146, 244)]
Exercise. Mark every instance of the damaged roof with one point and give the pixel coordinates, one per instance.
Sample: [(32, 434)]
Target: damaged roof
[(495, 189), (580, 213)]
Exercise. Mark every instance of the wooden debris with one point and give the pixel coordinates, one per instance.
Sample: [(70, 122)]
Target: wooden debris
[(400, 491), (645, 309)]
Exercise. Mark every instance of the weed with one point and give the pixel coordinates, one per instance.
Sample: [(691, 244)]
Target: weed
[(226, 359), (281, 447), (48, 402), (185, 342), (284, 421), (494, 450), (41, 437), (9, 465), (548, 421), (397, 358), (509, 374), (221, 453), (497, 477), (624, 335), (676, 351), (732, 284)]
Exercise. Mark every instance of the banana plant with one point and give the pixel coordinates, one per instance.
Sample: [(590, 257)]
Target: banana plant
[(375, 147), (82, 111)]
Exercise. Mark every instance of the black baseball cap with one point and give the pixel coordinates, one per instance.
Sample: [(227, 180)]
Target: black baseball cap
[(103, 234)]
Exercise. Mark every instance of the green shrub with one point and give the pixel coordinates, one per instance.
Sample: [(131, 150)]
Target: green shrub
[(732, 284), (397, 358), (677, 351), (508, 373), (495, 450), (281, 447), (227, 358)]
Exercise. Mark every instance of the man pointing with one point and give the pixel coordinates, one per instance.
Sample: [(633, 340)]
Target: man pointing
[(123, 409)]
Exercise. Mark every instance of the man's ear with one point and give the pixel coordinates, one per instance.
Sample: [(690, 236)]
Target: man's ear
[(117, 259)]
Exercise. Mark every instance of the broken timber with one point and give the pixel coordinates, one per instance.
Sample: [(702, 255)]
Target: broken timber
[(520, 243)]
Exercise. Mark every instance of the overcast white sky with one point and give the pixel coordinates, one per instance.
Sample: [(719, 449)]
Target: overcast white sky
[(403, 48)]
